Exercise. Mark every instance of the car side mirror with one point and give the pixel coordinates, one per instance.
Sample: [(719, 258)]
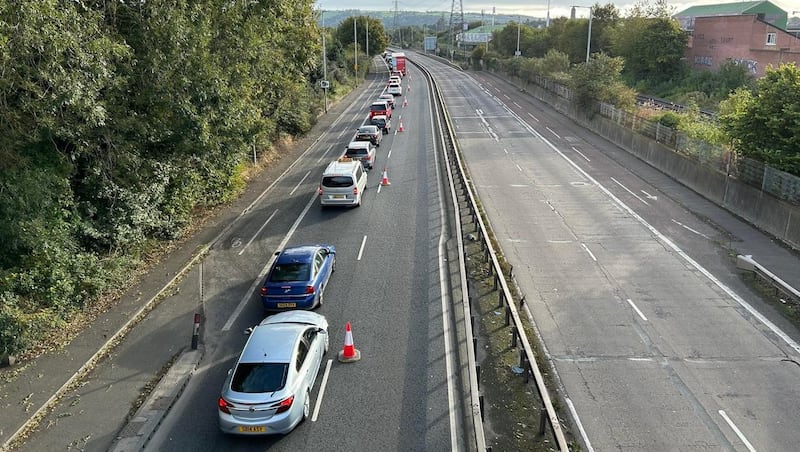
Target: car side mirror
[(330, 252), (248, 331)]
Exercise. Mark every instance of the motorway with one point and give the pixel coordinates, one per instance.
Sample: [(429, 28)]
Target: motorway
[(652, 350), (657, 344)]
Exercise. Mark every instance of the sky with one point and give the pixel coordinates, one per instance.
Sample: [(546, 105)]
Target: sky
[(558, 8)]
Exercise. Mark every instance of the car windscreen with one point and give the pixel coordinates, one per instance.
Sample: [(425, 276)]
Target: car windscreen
[(337, 181), (259, 377), (290, 272), (379, 107)]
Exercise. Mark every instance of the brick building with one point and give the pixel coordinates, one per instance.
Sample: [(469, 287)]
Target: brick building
[(748, 33)]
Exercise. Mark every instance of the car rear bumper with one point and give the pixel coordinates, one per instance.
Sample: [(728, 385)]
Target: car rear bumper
[(277, 425), (286, 303)]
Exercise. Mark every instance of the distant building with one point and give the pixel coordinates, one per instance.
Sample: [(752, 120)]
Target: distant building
[(752, 34)]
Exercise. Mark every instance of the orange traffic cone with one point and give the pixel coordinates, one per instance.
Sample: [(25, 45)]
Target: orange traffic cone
[(349, 353), (405, 103), (385, 178), (401, 129)]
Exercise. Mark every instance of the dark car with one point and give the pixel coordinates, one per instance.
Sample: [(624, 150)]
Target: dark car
[(298, 277), (382, 122), (369, 133)]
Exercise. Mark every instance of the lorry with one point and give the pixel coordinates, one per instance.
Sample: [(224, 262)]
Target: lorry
[(399, 62)]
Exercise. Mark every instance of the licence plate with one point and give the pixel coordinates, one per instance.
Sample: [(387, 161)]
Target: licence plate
[(287, 305), (337, 196), (252, 429)]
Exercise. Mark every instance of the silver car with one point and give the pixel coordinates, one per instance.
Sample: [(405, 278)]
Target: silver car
[(268, 391)]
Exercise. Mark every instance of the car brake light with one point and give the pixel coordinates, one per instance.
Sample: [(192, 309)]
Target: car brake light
[(355, 191), (368, 158), (309, 289), (319, 190), (285, 405), (223, 405), (263, 291)]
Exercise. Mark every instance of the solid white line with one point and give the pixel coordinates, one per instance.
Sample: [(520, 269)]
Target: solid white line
[(518, 167), (737, 431), (581, 153), (505, 150), (640, 359), (263, 272), (580, 425), (589, 251), (258, 232), (690, 229), (534, 117), (518, 105), (321, 390), (361, 249), (388, 155), (551, 131), (299, 184), (506, 96), (635, 308), (627, 190)]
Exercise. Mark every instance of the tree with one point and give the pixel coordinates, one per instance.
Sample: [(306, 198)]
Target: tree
[(766, 125), (378, 39), (653, 48), (600, 81)]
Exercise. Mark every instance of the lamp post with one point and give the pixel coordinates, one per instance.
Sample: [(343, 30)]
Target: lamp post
[(589, 38), (324, 64), (355, 47), (518, 53)]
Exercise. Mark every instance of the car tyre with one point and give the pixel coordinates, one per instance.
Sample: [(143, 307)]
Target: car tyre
[(307, 405), (321, 297), (333, 265)]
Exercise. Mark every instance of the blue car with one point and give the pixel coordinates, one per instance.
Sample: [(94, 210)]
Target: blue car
[(298, 277)]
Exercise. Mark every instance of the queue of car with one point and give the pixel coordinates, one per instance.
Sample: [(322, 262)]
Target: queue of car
[(268, 390)]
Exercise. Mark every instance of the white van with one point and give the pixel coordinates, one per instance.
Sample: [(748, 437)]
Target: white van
[(343, 183)]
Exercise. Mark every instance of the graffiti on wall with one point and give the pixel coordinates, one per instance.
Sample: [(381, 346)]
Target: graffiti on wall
[(703, 60), (750, 65)]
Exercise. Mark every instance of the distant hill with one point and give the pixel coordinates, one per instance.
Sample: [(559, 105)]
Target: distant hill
[(433, 20)]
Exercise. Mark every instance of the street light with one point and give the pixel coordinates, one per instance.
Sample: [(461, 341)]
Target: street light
[(518, 53), (325, 83), (589, 39)]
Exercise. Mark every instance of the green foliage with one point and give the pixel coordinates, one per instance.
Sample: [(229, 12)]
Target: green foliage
[(600, 81), (119, 120), (765, 125), (653, 48)]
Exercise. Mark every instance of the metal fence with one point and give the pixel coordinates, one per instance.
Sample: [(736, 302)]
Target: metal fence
[(777, 183)]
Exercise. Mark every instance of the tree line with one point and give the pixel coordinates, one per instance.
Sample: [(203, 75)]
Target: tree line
[(121, 121)]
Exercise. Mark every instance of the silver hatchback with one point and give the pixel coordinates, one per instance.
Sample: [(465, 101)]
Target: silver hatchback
[(268, 391)]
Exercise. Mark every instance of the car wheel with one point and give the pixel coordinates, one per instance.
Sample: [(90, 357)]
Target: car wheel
[(307, 405), (333, 265), (321, 297)]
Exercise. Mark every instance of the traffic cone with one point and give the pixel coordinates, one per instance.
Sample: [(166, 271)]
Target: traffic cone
[(401, 129), (385, 178), (349, 353), (405, 103), (409, 87)]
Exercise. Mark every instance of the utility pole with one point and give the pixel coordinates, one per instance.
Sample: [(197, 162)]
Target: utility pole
[(324, 64), (355, 47)]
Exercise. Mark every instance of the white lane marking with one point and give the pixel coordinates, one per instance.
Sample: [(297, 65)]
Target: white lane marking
[(505, 150), (632, 193), (589, 251), (737, 431), (640, 359), (258, 232), (518, 105), (559, 241), (581, 153), (263, 272), (580, 425), (551, 131), (636, 308), (519, 186), (444, 295), (505, 95), (518, 167), (324, 154), (533, 117), (299, 184), (322, 386), (690, 229), (649, 196), (552, 207), (389, 155), (669, 243), (361, 249)]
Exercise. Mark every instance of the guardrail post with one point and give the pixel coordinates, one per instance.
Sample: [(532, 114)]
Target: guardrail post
[(508, 315), (514, 336), (501, 297), (522, 301), (480, 404), (496, 281), (196, 331), (523, 360), (542, 420), (478, 374)]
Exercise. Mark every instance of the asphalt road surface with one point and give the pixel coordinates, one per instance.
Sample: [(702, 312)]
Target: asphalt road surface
[(656, 343)]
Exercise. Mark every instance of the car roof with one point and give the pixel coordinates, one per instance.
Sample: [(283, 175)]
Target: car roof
[(273, 343), (293, 317), (368, 127), (379, 117), (341, 167), (359, 144), (380, 102), (302, 253)]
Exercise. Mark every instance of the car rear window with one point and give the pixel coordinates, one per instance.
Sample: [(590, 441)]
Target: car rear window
[(337, 181), (259, 377), (379, 107), (290, 272), (356, 152)]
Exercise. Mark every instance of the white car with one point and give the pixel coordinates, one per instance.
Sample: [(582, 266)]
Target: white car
[(394, 89), (268, 391)]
